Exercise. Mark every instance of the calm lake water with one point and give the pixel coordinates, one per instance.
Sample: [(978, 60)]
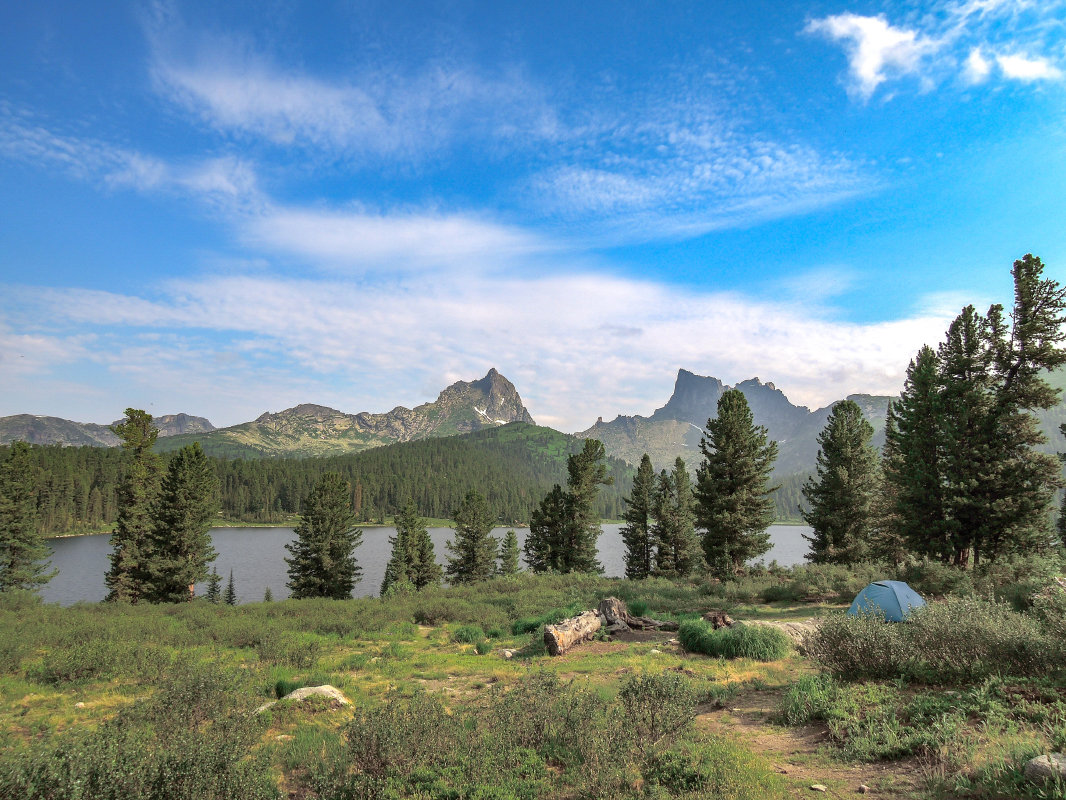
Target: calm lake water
[(256, 556)]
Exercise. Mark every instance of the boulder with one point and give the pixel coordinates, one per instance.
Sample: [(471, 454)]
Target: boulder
[(331, 692), (1045, 768)]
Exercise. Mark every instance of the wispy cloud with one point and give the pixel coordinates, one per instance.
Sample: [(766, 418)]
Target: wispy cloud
[(1028, 69), (559, 338)]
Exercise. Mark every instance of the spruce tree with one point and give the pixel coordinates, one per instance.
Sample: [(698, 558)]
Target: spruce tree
[(268, 596), (179, 548), (413, 560), (473, 550), (677, 547), (323, 562), (23, 552), (887, 543), (127, 578), (733, 505), (397, 570), (214, 587), (509, 564), (636, 533), (545, 546), (586, 472), (843, 491), (229, 597)]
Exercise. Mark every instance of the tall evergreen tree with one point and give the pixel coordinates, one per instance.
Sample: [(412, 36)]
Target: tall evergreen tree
[(733, 505), (677, 547), (229, 597), (545, 546), (509, 564), (214, 587), (397, 570), (473, 550), (413, 560), (323, 562), (636, 533), (127, 579), (913, 463), (23, 553), (179, 548), (887, 543), (843, 491), (586, 473)]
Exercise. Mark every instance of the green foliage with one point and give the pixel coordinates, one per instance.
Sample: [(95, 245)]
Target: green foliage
[(23, 554), (323, 560), (468, 634), (550, 617), (509, 555), (841, 494), (193, 739), (127, 578), (636, 533), (179, 542), (563, 530), (229, 596), (733, 507), (412, 560), (677, 548), (808, 699), (214, 587), (482, 647), (957, 639), (757, 642), (473, 550)]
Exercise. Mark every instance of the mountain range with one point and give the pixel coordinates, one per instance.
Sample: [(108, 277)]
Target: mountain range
[(673, 430)]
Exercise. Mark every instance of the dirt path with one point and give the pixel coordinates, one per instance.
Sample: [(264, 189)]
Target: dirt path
[(803, 753)]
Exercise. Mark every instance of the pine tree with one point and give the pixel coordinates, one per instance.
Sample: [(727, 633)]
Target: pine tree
[(398, 567), (268, 596), (636, 533), (677, 548), (214, 587), (887, 543), (127, 579), (323, 562), (473, 550), (586, 473), (733, 505), (509, 564), (545, 546), (179, 549), (229, 597), (23, 552), (413, 560), (843, 490)]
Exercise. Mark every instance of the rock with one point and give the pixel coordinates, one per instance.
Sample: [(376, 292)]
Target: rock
[(1046, 768), (864, 789), (719, 619), (283, 737), (654, 652), (327, 691), (79, 705), (507, 653), (817, 787)]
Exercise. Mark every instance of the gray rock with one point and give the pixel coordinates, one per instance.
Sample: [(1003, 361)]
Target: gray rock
[(303, 693), (1046, 768)]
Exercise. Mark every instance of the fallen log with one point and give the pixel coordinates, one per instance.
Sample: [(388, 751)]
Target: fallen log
[(614, 611), (560, 638)]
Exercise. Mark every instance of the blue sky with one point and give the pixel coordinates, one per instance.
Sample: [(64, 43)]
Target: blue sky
[(230, 210)]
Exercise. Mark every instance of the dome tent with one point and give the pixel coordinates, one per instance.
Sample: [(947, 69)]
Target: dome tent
[(893, 599)]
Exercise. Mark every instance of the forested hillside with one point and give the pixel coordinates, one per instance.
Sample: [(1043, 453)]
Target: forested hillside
[(512, 466)]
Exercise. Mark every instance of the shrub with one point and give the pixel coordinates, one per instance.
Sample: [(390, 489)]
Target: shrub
[(638, 608), (468, 634), (482, 648), (300, 652), (859, 646), (655, 707), (808, 699), (758, 642)]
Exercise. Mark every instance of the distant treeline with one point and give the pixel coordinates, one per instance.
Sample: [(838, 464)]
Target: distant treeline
[(513, 467)]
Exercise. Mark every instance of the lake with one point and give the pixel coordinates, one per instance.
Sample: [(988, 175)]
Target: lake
[(256, 556)]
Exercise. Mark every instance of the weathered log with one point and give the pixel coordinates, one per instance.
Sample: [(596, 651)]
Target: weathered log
[(719, 619), (614, 611), (560, 638)]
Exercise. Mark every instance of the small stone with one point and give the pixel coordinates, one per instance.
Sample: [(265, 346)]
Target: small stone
[(79, 705), (283, 737), (817, 787), (864, 789), (654, 652), (1046, 768), (507, 653)]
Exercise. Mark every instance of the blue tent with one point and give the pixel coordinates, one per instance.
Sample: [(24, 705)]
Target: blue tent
[(893, 599)]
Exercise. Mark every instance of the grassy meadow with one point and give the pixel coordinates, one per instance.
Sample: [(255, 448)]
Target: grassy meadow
[(107, 701)]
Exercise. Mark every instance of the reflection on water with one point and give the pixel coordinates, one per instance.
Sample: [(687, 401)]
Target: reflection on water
[(257, 558)]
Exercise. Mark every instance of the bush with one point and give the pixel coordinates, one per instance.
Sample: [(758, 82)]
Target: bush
[(482, 648), (758, 642), (468, 634), (808, 699), (638, 608), (656, 706)]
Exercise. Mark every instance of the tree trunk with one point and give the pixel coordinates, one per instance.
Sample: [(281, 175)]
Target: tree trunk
[(560, 638), (614, 611)]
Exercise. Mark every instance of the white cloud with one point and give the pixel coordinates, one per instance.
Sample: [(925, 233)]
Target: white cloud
[(577, 346), (1022, 68), (876, 50), (391, 242), (977, 67)]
